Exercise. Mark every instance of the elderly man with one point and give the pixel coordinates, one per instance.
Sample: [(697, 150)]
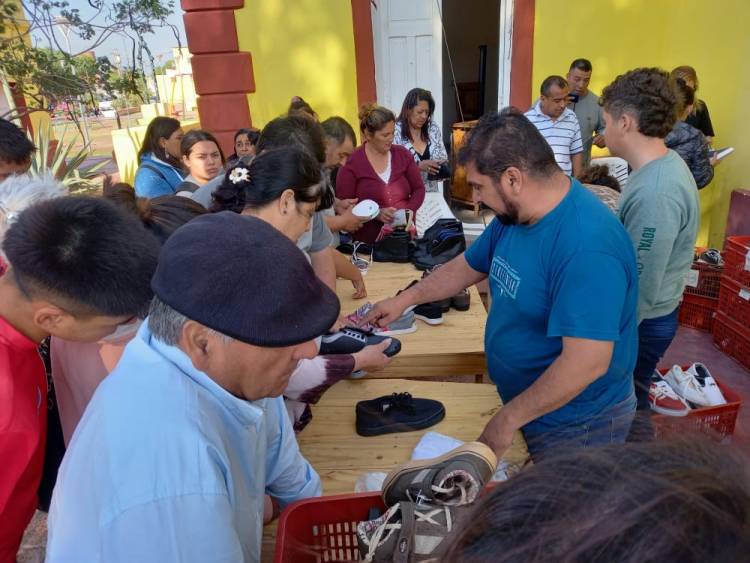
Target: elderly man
[(558, 124), (585, 104), (561, 334), (181, 442)]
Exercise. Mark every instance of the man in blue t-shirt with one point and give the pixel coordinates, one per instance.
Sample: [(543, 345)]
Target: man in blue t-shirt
[(561, 337)]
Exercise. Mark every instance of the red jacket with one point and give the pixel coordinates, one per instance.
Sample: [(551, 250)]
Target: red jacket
[(23, 430), (358, 178)]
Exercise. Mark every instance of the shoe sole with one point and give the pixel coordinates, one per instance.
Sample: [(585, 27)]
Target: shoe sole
[(429, 321), (477, 449), (401, 426), (668, 412), (407, 330)]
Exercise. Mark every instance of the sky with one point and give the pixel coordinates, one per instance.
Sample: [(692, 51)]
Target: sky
[(160, 42)]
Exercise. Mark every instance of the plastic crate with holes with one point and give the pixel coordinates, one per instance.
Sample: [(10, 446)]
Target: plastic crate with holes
[(734, 301), (697, 311), (732, 338), (717, 422), (324, 528), (737, 259), (704, 278)]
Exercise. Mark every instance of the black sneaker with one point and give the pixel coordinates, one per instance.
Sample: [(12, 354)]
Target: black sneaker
[(430, 313), (351, 340), (399, 412)]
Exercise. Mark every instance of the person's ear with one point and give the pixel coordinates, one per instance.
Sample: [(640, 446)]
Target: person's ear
[(286, 202), (514, 178), (195, 342), (49, 318), (162, 142), (185, 160), (627, 123)]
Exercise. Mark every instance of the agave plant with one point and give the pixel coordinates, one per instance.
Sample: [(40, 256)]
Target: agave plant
[(63, 162)]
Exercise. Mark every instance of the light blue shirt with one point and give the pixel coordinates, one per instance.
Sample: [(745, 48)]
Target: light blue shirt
[(166, 465)]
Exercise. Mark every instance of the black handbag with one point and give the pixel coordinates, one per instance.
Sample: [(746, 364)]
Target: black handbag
[(442, 174), (393, 247)]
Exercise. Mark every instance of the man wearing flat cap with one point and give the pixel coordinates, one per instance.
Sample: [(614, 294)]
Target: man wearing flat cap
[(182, 441)]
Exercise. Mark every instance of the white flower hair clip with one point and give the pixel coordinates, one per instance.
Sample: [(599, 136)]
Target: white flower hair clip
[(239, 175)]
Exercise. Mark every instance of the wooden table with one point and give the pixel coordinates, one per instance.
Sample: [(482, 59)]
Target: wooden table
[(455, 347), (341, 456)]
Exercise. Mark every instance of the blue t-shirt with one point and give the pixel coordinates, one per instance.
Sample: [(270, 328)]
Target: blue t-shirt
[(570, 274)]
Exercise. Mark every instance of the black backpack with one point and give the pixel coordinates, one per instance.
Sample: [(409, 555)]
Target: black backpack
[(441, 243)]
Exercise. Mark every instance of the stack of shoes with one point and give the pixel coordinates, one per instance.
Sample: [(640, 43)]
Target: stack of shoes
[(430, 313), (403, 325), (398, 412), (679, 391), (427, 500), (460, 302)]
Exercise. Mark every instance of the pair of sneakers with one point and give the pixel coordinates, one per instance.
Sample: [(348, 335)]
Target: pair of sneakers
[(673, 393), (405, 324), (427, 499)]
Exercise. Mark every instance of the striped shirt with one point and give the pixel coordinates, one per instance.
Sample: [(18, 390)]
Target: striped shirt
[(563, 135)]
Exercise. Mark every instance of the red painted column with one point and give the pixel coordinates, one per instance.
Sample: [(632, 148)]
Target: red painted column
[(522, 57), (364, 52), (223, 75)]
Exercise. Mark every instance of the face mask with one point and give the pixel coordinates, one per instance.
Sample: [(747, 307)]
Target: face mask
[(122, 332)]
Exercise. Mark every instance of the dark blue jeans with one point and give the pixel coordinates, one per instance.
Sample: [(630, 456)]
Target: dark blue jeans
[(654, 337), (609, 427)]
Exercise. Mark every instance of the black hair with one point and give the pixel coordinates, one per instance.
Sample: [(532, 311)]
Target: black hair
[(413, 97), (15, 145), (83, 254), (195, 136), (159, 128), (598, 175), (647, 95), (298, 105), (161, 216), (372, 118), (293, 130), (550, 81), (252, 135), (581, 64), (271, 173), (505, 139), (685, 500), (338, 129)]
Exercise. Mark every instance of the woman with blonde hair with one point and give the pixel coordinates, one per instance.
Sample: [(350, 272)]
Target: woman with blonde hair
[(699, 116)]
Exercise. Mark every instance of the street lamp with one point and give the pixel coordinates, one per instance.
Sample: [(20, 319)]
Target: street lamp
[(64, 24)]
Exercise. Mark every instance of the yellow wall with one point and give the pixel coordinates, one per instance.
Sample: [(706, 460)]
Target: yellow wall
[(618, 35), (303, 48)]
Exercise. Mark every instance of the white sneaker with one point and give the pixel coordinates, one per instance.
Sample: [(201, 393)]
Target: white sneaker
[(708, 383), (687, 386), (664, 400)]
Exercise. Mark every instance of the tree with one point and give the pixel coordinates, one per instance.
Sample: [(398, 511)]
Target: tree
[(50, 74)]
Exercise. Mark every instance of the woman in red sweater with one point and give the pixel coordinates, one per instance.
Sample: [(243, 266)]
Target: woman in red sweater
[(381, 171)]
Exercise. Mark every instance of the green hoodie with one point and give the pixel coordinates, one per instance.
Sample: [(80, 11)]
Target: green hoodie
[(659, 209)]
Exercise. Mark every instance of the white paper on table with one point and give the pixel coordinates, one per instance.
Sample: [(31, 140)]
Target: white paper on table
[(434, 444), (433, 207)]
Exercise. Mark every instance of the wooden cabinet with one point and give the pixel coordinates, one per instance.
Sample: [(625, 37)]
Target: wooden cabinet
[(460, 190)]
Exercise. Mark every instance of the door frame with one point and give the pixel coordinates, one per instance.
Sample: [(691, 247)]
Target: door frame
[(516, 55)]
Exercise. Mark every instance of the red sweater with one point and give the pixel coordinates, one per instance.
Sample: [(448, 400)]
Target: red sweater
[(23, 429), (358, 178)]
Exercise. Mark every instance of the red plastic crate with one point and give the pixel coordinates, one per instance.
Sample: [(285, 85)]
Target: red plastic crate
[(705, 280), (734, 301), (735, 254), (697, 312), (717, 422), (323, 528), (732, 338)]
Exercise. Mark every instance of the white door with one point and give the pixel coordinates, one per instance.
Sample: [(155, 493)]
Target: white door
[(408, 51)]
